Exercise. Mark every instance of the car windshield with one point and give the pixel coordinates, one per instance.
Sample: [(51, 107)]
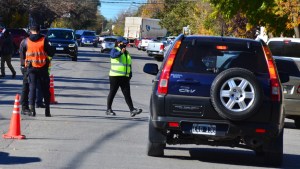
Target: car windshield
[(110, 39), (60, 34), (285, 48), (89, 34), (17, 31)]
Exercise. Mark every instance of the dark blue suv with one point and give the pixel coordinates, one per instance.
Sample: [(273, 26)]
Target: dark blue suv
[(86, 37), (217, 91)]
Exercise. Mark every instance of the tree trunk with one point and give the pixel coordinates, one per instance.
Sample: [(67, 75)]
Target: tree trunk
[(297, 34)]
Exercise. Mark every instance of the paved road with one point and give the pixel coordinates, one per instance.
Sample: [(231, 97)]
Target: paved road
[(80, 135)]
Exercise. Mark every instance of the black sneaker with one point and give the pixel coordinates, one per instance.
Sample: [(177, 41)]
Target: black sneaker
[(40, 105), (110, 112), (47, 112), (26, 111), (135, 111)]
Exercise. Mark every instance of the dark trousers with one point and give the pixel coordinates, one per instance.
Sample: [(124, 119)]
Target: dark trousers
[(7, 59), (115, 83), (25, 92), (39, 75)]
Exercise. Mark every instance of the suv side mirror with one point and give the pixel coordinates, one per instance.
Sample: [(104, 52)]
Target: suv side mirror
[(151, 68), (284, 77)]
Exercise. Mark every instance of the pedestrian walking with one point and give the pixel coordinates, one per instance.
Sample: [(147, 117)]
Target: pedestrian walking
[(7, 50), (34, 53), (119, 76)]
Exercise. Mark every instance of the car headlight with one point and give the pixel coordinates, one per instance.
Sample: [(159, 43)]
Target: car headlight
[(72, 45), (49, 43), (82, 38)]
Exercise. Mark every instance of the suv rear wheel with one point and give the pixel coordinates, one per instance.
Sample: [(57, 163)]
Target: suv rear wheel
[(236, 94), (273, 152), (156, 142)]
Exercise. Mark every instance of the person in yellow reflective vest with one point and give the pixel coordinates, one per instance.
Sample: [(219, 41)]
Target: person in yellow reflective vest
[(119, 76)]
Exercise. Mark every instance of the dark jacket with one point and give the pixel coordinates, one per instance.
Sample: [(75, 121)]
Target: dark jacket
[(34, 37), (7, 44)]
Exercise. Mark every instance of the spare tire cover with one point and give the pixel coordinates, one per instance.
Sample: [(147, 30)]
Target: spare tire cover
[(236, 94)]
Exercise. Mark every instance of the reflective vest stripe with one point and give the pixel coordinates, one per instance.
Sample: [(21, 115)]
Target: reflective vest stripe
[(120, 64), (119, 72), (36, 54)]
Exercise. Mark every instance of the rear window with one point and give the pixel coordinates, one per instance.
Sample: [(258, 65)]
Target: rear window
[(110, 39), (285, 48), (211, 57), (89, 34), (287, 66)]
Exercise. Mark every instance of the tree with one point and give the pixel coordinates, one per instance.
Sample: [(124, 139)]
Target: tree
[(290, 9), (177, 16), (76, 13), (257, 12)]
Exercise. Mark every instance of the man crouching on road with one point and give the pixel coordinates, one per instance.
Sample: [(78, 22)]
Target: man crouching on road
[(34, 52)]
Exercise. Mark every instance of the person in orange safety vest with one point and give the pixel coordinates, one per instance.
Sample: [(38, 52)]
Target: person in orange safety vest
[(34, 53)]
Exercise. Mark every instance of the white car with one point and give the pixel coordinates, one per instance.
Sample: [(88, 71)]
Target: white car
[(144, 44), (107, 44), (287, 57)]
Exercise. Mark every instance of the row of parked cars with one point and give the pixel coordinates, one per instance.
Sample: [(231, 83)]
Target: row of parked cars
[(225, 91), (154, 47)]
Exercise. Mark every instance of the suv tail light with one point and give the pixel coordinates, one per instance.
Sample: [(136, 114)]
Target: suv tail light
[(275, 85), (161, 47), (165, 74)]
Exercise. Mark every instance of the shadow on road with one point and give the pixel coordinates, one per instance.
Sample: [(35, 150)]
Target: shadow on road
[(232, 157), (5, 159)]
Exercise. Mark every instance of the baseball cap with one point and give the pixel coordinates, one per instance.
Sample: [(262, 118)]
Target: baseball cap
[(122, 39)]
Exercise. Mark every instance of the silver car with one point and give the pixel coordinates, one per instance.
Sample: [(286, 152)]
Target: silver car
[(287, 57), (107, 44)]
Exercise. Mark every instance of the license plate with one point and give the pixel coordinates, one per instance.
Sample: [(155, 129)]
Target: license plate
[(59, 48), (204, 129)]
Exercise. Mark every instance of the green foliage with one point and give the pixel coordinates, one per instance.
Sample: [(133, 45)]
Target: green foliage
[(269, 13), (74, 14), (177, 16)]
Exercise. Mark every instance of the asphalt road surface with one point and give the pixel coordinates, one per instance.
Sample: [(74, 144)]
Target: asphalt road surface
[(81, 136)]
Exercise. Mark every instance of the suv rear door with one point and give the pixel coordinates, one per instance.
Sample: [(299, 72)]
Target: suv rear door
[(197, 64)]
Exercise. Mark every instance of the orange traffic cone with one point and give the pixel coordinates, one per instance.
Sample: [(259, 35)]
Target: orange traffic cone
[(15, 126), (52, 95)]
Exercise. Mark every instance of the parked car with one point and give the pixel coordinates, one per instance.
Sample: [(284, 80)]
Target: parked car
[(18, 35), (63, 41), (287, 56), (218, 91), (107, 44), (156, 49), (136, 42), (144, 44), (44, 31), (101, 38), (86, 37)]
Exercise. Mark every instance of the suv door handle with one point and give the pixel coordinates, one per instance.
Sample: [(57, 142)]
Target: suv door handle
[(188, 81)]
